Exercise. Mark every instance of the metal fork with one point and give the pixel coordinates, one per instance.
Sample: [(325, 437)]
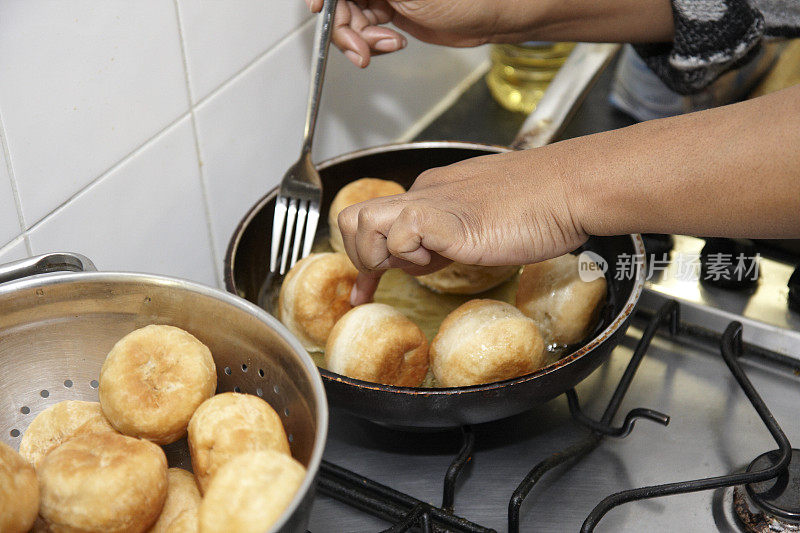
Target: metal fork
[(297, 205)]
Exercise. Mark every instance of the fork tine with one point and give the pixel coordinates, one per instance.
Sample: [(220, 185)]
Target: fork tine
[(311, 227), (301, 222), (291, 216), (278, 220)]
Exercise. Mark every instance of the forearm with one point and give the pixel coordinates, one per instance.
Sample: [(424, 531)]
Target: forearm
[(733, 171), (633, 21)]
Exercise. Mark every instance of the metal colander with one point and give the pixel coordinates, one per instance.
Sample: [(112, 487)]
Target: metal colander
[(57, 327)]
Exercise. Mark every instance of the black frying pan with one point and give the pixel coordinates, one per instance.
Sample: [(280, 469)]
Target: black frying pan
[(247, 267)]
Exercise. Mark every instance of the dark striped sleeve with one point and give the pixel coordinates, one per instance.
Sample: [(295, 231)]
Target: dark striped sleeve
[(714, 36)]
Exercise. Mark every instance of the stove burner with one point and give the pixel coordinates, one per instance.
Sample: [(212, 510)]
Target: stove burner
[(753, 520), (729, 263), (778, 497)]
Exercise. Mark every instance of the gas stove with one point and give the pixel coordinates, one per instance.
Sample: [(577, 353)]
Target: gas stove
[(682, 429), (554, 468)]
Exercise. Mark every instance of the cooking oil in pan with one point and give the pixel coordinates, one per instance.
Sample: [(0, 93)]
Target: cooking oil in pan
[(423, 306)]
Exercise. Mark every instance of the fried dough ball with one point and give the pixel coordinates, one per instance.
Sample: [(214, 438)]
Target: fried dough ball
[(104, 483), (483, 341), (186, 522), (19, 492), (59, 423), (376, 342), (230, 424), (457, 278), (314, 296), (250, 492), (353, 193), (182, 495), (564, 306), (152, 381)]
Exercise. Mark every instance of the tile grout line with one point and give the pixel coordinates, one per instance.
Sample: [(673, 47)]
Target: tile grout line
[(249, 66), (14, 188), (195, 135), (136, 151), (190, 113), (13, 242)]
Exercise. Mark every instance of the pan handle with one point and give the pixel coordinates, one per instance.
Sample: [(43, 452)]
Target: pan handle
[(41, 264), (565, 94)]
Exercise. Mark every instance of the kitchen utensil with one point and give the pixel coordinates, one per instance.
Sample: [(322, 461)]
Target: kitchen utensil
[(56, 329), (245, 271), (298, 202)]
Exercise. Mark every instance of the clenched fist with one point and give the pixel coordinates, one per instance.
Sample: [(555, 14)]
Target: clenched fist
[(505, 209)]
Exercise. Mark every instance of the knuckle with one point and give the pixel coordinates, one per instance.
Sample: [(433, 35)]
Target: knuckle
[(412, 218), (348, 220), (426, 178), (365, 217)]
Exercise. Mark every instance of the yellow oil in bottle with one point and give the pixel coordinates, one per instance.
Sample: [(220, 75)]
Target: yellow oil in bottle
[(520, 73)]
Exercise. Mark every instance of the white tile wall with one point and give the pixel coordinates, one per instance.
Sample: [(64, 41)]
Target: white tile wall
[(222, 36), (151, 202), (13, 251), (112, 157), (83, 83), (250, 132), (9, 216)]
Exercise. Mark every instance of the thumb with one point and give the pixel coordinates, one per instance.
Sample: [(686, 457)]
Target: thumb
[(364, 288)]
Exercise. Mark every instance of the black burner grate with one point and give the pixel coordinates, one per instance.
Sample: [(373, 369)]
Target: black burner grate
[(408, 513)]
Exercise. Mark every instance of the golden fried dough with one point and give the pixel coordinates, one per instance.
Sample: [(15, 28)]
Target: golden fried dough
[(376, 342), (563, 305), (59, 423), (103, 482), (40, 526), (250, 492), (19, 492), (483, 341), (152, 381), (353, 193), (314, 296), (182, 495), (186, 522), (457, 278), (230, 424)]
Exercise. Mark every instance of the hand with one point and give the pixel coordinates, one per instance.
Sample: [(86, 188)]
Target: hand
[(359, 33), (506, 209)]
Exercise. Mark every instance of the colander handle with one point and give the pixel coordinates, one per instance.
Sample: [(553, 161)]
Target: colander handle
[(42, 264)]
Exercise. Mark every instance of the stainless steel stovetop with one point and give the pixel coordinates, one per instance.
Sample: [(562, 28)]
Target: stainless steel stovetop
[(714, 430)]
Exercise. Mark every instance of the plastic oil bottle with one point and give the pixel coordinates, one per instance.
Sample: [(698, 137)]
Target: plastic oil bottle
[(520, 73)]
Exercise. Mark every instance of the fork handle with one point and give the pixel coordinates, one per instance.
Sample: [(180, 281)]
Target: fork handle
[(322, 41)]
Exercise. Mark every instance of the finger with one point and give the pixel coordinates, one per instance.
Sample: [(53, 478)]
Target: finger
[(373, 225), (314, 5), (383, 40), (405, 238), (436, 262), (420, 229), (378, 38), (364, 288), (348, 224), (367, 282), (349, 39), (355, 48)]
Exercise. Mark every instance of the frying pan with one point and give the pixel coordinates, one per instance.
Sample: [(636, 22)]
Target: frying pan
[(247, 267)]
